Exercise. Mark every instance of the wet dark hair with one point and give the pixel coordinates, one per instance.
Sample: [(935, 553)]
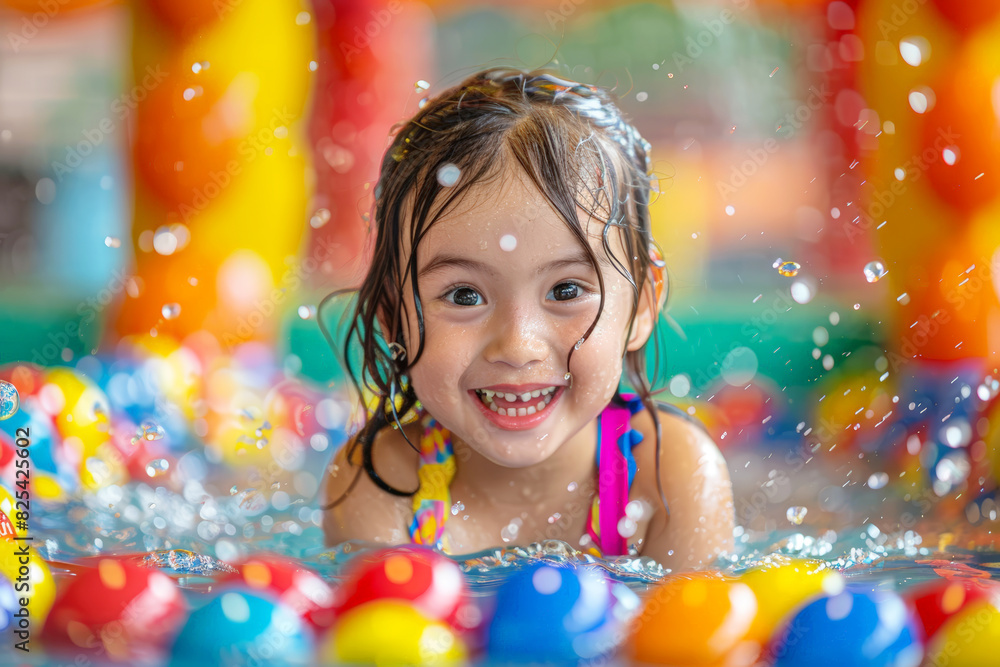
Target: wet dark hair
[(575, 147)]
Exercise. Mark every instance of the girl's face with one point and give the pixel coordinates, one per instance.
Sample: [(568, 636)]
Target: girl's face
[(507, 292)]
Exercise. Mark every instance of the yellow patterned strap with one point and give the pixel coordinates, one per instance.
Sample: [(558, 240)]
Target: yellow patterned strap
[(433, 499)]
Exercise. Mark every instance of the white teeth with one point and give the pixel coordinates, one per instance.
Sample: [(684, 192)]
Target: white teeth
[(510, 397), (529, 410), (493, 406), (489, 394), (526, 396), (541, 405), (502, 411), (534, 394), (522, 412), (547, 390)]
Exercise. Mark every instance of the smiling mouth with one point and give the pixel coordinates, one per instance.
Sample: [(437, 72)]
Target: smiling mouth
[(516, 405)]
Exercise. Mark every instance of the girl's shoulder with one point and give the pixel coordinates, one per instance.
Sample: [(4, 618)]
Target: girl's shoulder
[(365, 511)]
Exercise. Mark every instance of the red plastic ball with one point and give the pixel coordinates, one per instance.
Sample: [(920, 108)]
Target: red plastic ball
[(128, 611), (299, 588), (189, 16), (937, 601), (426, 579)]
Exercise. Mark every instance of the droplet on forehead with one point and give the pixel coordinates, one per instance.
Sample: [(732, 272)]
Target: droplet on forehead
[(508, 242), (448, 175)]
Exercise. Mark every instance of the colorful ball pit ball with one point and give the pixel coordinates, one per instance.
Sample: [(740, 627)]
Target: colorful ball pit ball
[(969, 638), (858, 628), (425, 579), (392, 632), (119, 609), (697, 620), (558, 614), (782, 587), (298, 588), (31, 579), (242, 626), (938, 601), (8, 607)]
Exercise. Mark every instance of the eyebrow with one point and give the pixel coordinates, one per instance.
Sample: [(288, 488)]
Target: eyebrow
[(443, 261)]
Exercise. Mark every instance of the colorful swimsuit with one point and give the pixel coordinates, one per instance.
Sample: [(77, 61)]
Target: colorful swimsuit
[(615, 472)]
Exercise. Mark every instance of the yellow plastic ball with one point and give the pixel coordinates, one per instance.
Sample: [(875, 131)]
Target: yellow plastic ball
[(85, 412), (36, 584), (784, 586), (385, 632), (968, 639)]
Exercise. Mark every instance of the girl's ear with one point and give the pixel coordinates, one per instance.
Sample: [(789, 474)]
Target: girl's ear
[(645, 315), (651, 301)]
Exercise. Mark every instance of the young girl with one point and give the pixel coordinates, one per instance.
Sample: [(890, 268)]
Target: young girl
[(514, 280)]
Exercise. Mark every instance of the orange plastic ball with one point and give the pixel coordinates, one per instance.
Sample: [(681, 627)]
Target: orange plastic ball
[(697, 620)]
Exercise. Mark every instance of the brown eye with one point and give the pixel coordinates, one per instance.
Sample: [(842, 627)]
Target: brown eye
[(465, 296), (564, 292)]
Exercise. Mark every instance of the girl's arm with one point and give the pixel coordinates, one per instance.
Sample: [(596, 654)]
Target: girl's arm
[(367, 513), (696, 484)]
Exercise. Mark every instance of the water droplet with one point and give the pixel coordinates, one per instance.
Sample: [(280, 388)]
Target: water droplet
[(9, 400), (802, 292), (821, 336), (508, 242), (952, 470), (828, 362), (789, 269), (642, 96), (877, 480), (170, 310), (796, 514), (950, 155), (157, 467), (571, 487), (457, 507), (319, 218), (307, 312), (579, 344), (857, 306), (112, 242), (234, 490), (874, 271), (421, 86), (509, 532), (422, 103), (199, 67), (152, 431), (448, 175), (730, 210)]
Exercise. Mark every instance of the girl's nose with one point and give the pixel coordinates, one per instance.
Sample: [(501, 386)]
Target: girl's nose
[(517, 337)]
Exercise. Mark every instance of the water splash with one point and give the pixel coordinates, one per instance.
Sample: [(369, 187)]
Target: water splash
[(789, 269), (9, 400), (874, 271)]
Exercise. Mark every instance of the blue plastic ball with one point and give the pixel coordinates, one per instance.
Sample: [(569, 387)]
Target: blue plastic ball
[(859, 628), (8, 605), (243, 627), (549, 613)]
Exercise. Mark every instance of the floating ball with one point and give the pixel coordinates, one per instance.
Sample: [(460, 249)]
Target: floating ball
[(696, 619), (240, 626), (549, 613), (8, 606), (784, 586), (938, 601), (969, 638), (36, 586), (80, 409), (424, 578), (298, 588), (392, 632), (127, 611), (865, 629), (9, 525)]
